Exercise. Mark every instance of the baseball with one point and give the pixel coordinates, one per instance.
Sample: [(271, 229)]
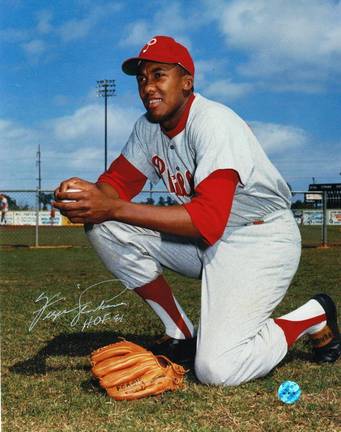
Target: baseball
[(71, 190), (289, 392)]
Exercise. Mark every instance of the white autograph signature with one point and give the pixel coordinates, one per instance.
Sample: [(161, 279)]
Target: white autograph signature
[(84, 312)]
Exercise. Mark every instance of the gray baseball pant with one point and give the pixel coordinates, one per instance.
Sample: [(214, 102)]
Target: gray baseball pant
[(244, 277)]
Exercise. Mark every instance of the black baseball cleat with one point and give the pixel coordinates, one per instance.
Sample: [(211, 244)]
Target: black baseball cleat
[(180, 351), (327, 342)]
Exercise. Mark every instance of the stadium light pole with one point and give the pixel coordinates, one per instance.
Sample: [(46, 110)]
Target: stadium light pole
[(106, 88)]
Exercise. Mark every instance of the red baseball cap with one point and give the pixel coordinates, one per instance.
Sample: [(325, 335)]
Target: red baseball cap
[(161, 49)]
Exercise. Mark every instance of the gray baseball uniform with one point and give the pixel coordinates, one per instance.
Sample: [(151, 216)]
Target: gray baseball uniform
[(246, 272)]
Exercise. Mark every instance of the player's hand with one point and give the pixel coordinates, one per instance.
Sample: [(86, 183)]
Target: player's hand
[(89, 205), (71, 183)]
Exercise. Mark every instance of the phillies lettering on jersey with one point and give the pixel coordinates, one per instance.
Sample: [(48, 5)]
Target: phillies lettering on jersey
[(178, 183)]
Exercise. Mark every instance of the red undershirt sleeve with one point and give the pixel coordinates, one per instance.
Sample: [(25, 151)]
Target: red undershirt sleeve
[(127, 180), (211, 206)]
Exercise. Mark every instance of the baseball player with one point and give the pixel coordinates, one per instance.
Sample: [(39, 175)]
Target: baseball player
[(4, 208), (232, 226)]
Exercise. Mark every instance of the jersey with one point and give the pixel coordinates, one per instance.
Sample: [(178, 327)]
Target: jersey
[(212, 138), (245, 273)]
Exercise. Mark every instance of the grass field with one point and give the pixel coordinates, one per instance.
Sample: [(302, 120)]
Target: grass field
[(74, 235), (46, 382)]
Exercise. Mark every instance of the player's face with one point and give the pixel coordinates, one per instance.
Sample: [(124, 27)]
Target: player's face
[(164, 91)]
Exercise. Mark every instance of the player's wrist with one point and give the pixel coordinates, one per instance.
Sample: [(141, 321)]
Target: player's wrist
[(116, 209)]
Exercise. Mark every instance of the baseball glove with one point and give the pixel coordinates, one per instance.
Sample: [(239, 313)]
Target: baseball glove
[(128, 371)]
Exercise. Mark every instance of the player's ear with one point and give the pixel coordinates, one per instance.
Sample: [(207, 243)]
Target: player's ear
[(187, 82)]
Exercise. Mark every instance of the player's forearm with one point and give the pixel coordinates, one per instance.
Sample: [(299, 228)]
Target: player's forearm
[(97, 203), (172, 220), (108, 190)]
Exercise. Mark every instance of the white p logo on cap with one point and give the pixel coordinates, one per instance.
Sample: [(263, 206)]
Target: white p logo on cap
[(148, 44)]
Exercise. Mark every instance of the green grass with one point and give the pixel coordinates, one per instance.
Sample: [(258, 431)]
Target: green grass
[(74, 235), (46, 382), (312, 235), (26, 236)]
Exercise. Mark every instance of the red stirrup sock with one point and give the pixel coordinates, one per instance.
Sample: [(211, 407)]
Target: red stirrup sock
[(159, 296), (309, 318)]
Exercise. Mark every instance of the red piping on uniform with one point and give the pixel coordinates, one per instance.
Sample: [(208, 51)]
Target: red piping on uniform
[(211, 205), (127, 180), (160, 292), (183, 120), (292, 329)]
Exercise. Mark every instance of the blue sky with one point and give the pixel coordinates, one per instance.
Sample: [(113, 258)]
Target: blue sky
[(276, 63)]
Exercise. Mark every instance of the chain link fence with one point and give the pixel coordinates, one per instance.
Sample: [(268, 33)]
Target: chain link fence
[(318, 215), (32, 222)]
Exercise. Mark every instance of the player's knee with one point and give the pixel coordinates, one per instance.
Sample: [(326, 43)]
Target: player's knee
[(208, 372), (218, 372), (95, 231), (99, 235), (91, 228)]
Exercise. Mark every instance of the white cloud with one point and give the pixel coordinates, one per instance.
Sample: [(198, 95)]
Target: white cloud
[(206, 69), (12, 133), (298, 40), (43, 25), (79, 160), (296, 86), (73, 146), (18, 147), (70, 145), (13, 35), (169, 20), (61, 100), (86, 125), (31, 40), (137, 34), (276, 138), (35, 48), (79, 28), (227, 90), (299, 165), (76, 28), (81, 124), (209, 83), (297, 154), (35, 39)]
